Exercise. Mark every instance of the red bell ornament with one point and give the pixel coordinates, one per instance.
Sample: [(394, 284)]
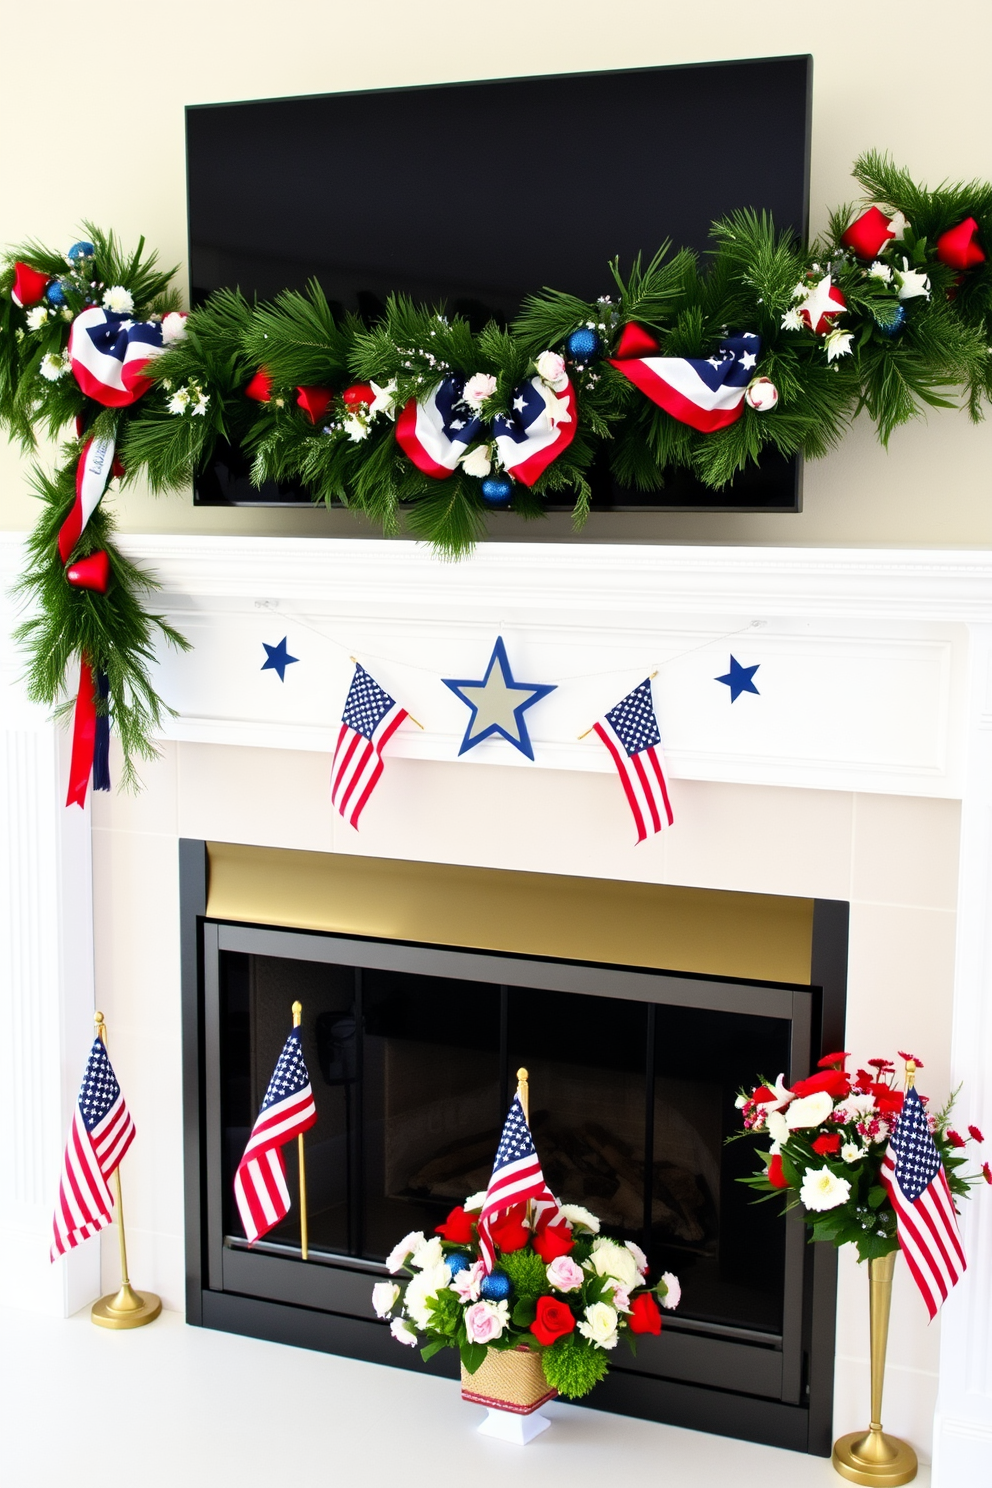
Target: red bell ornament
[(92, 572), (260, 387), (959, 247), (359, 392), (868, 234), (315, 401), (29, 285)]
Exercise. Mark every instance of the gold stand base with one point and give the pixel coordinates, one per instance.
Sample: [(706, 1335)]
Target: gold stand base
[(872, 1457), (130, 1309)]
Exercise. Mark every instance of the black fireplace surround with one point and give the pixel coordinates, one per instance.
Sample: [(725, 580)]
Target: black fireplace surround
[(412, 1050)]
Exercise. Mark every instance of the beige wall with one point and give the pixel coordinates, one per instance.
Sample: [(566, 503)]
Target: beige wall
[(91, 113)]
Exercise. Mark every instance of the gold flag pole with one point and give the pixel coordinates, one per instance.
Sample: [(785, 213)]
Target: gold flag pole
[(872, 1456), (523, 1091), (297, 1019), (125, 1308)]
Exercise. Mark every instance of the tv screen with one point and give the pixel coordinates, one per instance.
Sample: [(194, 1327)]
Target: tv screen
[(474, 195)]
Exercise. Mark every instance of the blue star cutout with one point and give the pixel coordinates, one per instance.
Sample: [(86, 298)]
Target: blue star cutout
[(739, 679), (491, 699), (278, 658)]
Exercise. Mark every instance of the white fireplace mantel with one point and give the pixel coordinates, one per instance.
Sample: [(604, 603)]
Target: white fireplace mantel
[(875, 675)]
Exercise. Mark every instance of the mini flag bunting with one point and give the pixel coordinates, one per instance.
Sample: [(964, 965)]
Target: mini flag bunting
[(705, 394), (286, 1112), (368, 722), (516, 1177), (100, 1134), (630, 732)]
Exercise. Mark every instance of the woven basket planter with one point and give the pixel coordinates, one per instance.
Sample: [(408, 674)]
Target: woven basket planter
[(508, 1380)]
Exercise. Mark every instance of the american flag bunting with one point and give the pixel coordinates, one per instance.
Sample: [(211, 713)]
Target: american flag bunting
[(630, 732), (369, 720)]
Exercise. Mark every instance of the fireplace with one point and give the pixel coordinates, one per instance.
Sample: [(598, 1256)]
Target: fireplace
[(419, 1003)]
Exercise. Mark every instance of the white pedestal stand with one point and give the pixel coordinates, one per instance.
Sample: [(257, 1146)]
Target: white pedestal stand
[(511, 1427)]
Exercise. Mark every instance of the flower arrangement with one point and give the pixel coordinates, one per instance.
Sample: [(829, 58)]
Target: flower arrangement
[(828, 1138), (560, 1288)]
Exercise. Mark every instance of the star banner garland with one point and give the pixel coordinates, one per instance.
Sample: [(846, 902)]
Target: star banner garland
[(424, 421)]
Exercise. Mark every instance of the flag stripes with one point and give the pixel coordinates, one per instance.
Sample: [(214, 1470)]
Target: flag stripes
[(100, 1133), (926, 1223), (288, 1110), (369, 720)]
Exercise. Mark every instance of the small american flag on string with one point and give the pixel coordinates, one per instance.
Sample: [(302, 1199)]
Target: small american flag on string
[(516, 1177), (630, 732), (925, 1220), (287, 1110), (100, 1134), (369, 720)]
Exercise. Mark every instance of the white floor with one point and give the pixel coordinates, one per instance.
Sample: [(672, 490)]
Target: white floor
[(171, 1405)]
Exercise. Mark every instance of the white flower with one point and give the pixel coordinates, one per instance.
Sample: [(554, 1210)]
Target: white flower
[(478, 388), (741, 1101), (467, 1284), (383, 400), (427, 1254), (600, 1325), (385, 1295), (551, 367), (800, 292), (474, 1201), (673, 1296), (477, 462), (851, 1152), (638, 1254), (564, 1275), (398, 1255), (118, 300), (911, 282), (609, 1259), (485, 1321), (777, 1128), (879, 270), (854, 1106), (53, 367), (822, 1189), (809, 1110), (179, 401), (838, 344), (579, 1218), (173, 328), (202, 399), (355, 428), (36, 317), (792, 321), (423, 1289), (897, 226), (402, 1332), (621, 1298)]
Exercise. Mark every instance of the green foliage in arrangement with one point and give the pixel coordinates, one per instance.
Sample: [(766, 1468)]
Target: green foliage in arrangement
[(573, 1370)]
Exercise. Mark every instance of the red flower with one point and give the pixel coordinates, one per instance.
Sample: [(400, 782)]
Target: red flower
[(644, 1316), (975, 1134), (827, 1144), (554, 1319), (457, 1227), (763, 1095), (868, 233), (881, 1064), (833, 1081), (315, 401), (259, 388), (903, 1055), (29, 285), (958, 247), (863, 1081), (774, 1173), (832, 1061), (552, 1241), (955, 1139), (888, 1101), (987, 1173), (509, 1231)]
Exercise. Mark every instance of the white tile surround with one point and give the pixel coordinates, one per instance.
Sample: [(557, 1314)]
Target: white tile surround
[(863, 772)]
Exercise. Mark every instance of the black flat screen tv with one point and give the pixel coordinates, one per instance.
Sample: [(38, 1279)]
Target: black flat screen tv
[(474, 195)]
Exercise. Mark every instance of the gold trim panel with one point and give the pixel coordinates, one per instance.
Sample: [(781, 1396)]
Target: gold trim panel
[(763, 937)]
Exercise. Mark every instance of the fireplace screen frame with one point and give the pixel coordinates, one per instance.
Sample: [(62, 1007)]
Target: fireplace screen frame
[(760, 1387)]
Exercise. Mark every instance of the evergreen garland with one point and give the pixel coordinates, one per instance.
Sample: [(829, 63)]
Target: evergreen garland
[(313, 399)]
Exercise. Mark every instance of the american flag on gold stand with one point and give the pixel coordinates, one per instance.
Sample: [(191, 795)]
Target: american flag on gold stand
[(925, 1220), (516, 1177), (287, 1111), (100, 1134)]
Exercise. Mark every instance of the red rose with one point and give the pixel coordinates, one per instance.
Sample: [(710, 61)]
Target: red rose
[(509, 1231), (868, 233), (833, 1081), (554, 1319), (260, 387), (955, 1139), (553, 1241), (315, 401), (958, 247), (832, 1061), (774, 1173), (825, 1145), (29, 285), (975, 1134), (457, 1227), (644, 1316)]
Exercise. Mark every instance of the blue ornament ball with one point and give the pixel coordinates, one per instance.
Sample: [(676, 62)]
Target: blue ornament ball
[(497, 490), (582, 345), (456, 1263), (55, 294), (80, 250), (896, 325), (495, 1288)]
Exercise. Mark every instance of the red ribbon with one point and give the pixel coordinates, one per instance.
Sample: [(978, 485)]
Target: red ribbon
[(959, 247), (83, 737), (94, 468)]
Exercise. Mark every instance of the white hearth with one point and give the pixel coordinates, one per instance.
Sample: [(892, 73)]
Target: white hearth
[(862, 771)]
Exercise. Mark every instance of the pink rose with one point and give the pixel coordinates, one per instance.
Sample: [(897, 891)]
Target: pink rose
[(564, 1275), (467, 1283), (551, 369), (621, 1298), (478, 388), (484, 1321)]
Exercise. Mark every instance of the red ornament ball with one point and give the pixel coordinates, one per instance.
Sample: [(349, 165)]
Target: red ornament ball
[(92, 572), (359, 392)]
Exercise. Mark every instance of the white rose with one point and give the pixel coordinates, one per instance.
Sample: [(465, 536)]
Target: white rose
[(579, 1218), (474, 1201), (477, 462), (673, 1296), (822, 1189), (385, 1295), (551, 367), (478, 388), (398, 1255), (809, 1110), (609, 1259), (402, 1332), (173, 328), (36, 317), (118, 300), (600, 1325), (427, 1254), (423, 1289), (761, 394)]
